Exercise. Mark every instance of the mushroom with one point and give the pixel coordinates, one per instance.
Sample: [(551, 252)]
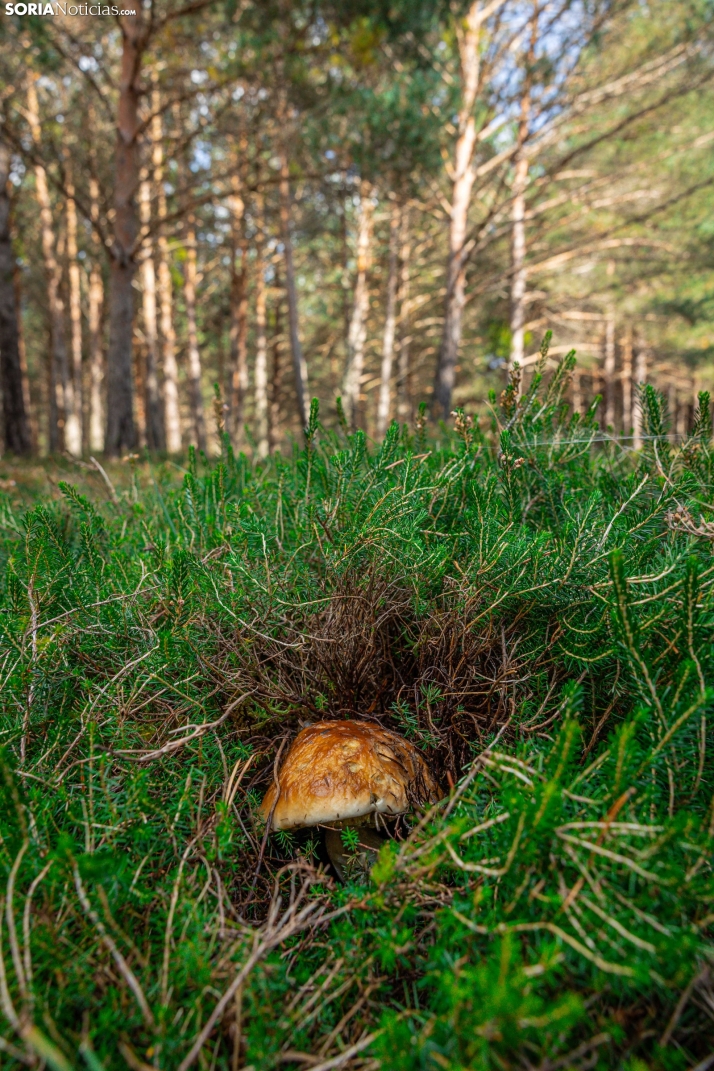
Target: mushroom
[(344, 774)]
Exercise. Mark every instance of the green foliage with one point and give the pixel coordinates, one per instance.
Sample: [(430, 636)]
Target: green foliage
[(532, 608)]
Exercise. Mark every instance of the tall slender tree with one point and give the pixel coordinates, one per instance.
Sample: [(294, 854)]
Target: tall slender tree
[(238, 333), (94, 315), (462, 177), (73, 403), (390, 321), (195, 376), (121, 428), (155, 438), (357, 336), (262, 408), (57, 357), (299, 362), (16, 423), (172, 414), (518, 210)]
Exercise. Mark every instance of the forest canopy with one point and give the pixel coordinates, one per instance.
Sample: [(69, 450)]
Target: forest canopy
[(385, 202)]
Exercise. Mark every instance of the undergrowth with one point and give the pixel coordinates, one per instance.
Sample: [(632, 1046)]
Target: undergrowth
[(530, 604)]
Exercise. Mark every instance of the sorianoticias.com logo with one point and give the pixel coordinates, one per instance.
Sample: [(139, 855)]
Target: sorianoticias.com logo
[(57, 8)]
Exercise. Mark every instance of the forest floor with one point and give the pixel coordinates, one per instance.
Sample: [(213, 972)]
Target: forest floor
[(531, 606)]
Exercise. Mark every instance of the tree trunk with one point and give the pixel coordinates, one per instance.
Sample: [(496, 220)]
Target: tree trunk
[(274, 430), (16, 424), (299, 363), (55, 306), (121, 431), (261, 342), (357, 336), (172, 412), (640, 380), (462, 175), (96, 355), (239, 313), (627, 382), (73, 396), (154, 424), (404, 383), (518, 210), (518, 261), (577, 397), (194, 357), (609, 369), (24, 375), (390, 323), (682, 408)]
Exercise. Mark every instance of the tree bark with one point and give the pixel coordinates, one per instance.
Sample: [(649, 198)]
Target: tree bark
[(16, 423), (96, 354), (238, 334), (299, 363), (261, 342), (155, 439), (462, 174), (121, 430), (73, 394), (194, 357), (57, 356), (390, 323), (404, 382), (609, 369), (172, 412), (357, 335)]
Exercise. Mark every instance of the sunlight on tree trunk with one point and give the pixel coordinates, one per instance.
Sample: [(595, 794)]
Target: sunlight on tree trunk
[(261, 340), (276, 379), (194, 357), (96, 351), (404, 386), (390, 322), (55, 306), (357, 337), (640, 380), (609, 369), (576, 393), (16, 423), (239, 309), (172, 414), (154, 424), (299, 362), (73, 418), (518, 259)]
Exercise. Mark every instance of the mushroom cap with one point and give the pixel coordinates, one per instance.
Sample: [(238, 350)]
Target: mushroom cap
[(338, 770)]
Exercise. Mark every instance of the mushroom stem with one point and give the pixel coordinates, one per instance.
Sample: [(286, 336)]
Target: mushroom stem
[(344, 861)]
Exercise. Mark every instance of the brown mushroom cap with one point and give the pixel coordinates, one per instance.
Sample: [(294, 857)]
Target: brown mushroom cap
[(338, 770)]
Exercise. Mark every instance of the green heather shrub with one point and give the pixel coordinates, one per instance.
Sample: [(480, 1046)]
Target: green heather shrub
[(525, 599)]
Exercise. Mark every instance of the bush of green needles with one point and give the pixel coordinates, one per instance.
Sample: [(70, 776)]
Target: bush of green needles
[(527, 600)]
